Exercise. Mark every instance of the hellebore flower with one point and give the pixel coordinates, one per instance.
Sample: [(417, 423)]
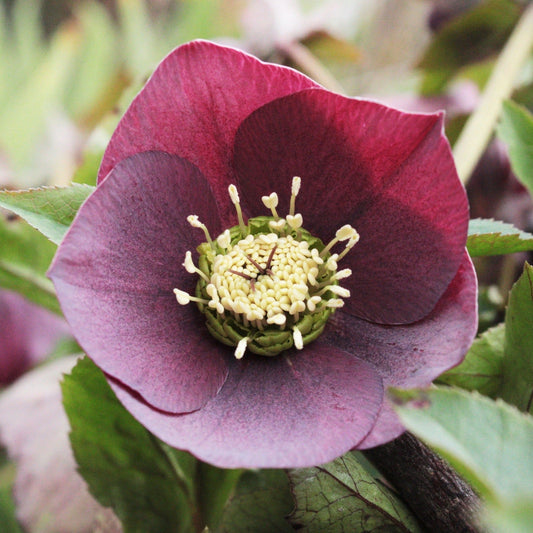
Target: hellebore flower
[(214, 141), (28, 333)]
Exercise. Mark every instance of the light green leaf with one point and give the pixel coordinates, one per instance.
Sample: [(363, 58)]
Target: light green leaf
[(517, 382), (7, 505), (25, 256), (342, 496), (125, 466), (48, 209), (24, 116), (513, 518), (488, 442), (492, 237), (260, 503), (516, 131), (482, 367)]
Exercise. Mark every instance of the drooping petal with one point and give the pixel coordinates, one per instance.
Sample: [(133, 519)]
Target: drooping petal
[(28, 333), (297, 410), (115, 272), (192, 106), (415, 354), (387, 173), (50, 495)]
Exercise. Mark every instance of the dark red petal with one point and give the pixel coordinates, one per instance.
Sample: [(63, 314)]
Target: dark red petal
[(415, 354), (192, 106), (296, 410), (115, 272), (387, 173), (386, 428)]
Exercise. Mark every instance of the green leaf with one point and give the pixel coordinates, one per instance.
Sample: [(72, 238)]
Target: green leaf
[(125, 466), (260, 503), (516, 131), (25, 256), (473, 36), (517, 382), (7, 511), (513, 518), (217, 485), (492, 237), (48, 209), (7, 505), (488, 442), (482, 367), (342, 496)]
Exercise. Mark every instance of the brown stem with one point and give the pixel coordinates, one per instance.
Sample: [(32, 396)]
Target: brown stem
[(440, 499)]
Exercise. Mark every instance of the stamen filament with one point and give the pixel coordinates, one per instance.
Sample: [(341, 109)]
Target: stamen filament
[(343, 234), (295, 189), (191, 268), (351, 243), (195, 223), (184, 298), (234, 195)]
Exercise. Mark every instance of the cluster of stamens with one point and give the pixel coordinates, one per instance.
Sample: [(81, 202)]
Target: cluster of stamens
[(267, 285)]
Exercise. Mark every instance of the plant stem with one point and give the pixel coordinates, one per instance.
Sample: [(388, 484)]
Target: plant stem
[(439, 498), (478, 129)]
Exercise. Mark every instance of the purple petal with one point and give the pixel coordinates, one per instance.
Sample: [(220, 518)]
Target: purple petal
[(386, 428), (415, 354), (387, 173), (115, 272), (49, 493), (192, 106), (28, 333), (296, 410)]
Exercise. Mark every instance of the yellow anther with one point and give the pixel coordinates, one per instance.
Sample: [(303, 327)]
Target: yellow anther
[(188, 264), (195, 223), (295, 221), (339, 291), (190, 267), (331, 263), (345, 233), (271, 202), (224, 240), (277, 225), (184, 298), (241, 347), (297, 338), (295, 189), (342, 274), (335, 303), (279, 319), (312, 303)]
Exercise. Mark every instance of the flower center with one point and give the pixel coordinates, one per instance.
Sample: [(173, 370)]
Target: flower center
[(267, 285)]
